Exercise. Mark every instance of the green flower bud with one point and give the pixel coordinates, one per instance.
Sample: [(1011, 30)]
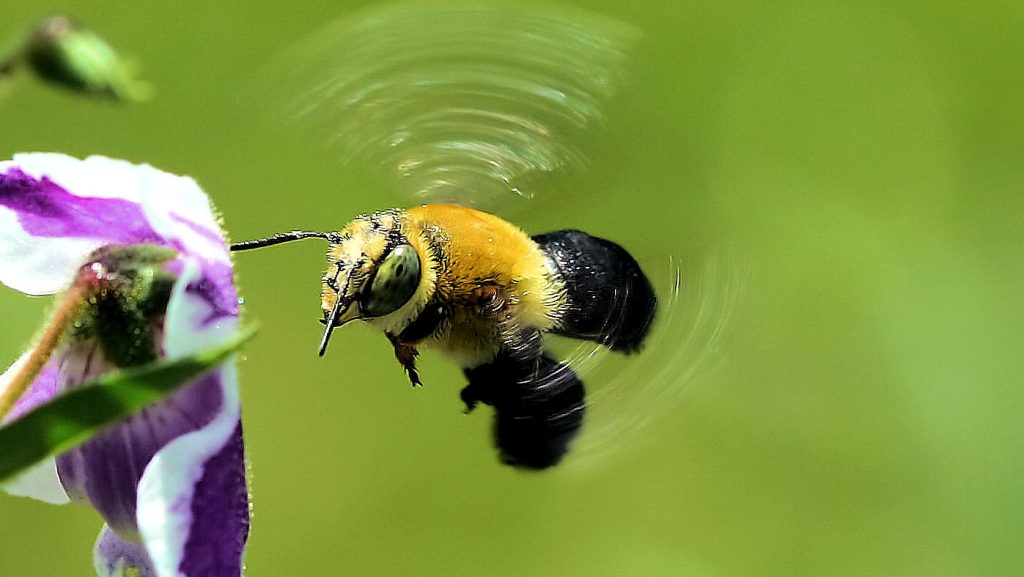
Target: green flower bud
[(63, 53)]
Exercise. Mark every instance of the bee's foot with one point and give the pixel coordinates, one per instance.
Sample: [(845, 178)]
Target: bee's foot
[(472, 395)]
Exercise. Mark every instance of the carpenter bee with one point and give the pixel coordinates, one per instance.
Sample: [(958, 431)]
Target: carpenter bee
[(481, 291)]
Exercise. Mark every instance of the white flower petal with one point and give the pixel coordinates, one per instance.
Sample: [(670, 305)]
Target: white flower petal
[(39, 265), (94, 177), (39, 482), (187, 329)]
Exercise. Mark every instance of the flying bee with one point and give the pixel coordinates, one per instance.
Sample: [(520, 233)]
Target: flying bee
[(482, 292)]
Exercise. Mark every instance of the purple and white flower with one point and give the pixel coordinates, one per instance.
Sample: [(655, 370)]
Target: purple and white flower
[(170, 482)]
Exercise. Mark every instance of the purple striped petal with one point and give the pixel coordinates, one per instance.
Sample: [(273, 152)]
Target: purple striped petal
[(195, 509), (45, 209), (105, 471), (172, 477), (55, 210), (193, 499), (220, 514)]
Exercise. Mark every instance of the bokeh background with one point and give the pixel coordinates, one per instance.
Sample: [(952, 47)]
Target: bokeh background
[(852, 173)]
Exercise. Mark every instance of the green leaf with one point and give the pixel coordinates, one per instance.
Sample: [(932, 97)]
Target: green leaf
[(78, 415)]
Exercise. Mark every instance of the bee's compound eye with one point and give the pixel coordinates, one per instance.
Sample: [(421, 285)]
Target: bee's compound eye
[(395, 282)]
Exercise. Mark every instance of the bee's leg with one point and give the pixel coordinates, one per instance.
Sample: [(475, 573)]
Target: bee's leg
[(538, 407), (406, 355), (610, 299), (405, 342), (474, 393)]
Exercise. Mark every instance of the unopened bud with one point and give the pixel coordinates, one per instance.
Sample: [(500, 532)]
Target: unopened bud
[(66, 54)]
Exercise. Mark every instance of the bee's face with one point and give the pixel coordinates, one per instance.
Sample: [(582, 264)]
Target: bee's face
[(374, 272)]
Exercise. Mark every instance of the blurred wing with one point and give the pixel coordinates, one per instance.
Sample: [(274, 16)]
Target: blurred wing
[(474, 105), (540, 404), (695, 303)]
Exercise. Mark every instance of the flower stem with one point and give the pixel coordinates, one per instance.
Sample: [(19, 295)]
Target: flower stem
[(64, 315)]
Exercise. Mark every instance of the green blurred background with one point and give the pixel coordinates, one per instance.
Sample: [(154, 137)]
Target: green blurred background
[(858, 164)]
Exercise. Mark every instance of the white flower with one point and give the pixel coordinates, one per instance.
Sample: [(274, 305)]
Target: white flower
[(170, 482)]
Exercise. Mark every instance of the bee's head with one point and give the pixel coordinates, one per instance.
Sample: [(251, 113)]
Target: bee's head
[(373, 273)]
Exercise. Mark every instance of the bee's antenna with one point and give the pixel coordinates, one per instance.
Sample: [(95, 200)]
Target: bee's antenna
[(280, 237), (333, 318), (330, 325)]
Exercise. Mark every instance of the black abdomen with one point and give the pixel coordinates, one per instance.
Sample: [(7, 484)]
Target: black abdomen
[(611, 302)]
